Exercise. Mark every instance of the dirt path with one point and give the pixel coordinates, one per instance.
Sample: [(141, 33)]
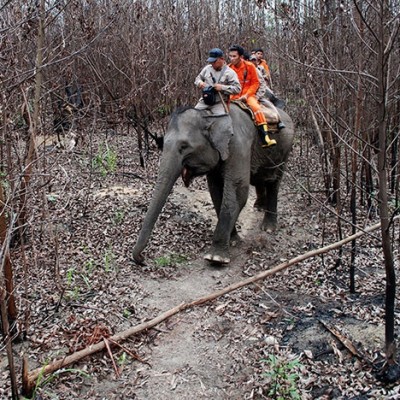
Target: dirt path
[(192, 359), (214, 351)]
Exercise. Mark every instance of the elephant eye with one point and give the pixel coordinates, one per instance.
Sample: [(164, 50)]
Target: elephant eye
[(183, 146)]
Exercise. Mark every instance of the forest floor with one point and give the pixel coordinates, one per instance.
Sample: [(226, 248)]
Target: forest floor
[(280, 338)]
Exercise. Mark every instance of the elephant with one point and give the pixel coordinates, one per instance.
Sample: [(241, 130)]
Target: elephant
[(196, 144)]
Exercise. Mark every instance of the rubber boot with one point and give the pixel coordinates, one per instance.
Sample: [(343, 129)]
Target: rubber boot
[(275, 100), (267, 141)]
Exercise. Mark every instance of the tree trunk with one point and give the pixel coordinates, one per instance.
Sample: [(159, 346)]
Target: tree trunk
[(7, 270), (354, 157), (34, 121), (382, 74)]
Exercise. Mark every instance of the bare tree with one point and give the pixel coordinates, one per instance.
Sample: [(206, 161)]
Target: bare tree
[(107, 64), (343, 56), (385, 33)]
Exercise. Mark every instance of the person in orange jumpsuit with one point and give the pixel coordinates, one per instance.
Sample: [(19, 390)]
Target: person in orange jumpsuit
[(250, 83), (262, 63)]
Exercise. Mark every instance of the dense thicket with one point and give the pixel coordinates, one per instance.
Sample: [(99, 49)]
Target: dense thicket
[(114, 62), (139, 59)]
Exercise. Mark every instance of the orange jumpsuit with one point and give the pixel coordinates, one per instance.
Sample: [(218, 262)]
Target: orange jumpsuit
[(248, 79), (264, 65)]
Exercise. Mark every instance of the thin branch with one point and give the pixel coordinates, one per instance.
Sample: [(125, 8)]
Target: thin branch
[(111, 356), (372, 31)]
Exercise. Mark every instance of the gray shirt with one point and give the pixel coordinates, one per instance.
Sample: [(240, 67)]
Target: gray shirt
[(263, 86), (227, 77)]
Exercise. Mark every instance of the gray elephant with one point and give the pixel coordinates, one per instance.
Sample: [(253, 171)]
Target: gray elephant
[(194, 146)]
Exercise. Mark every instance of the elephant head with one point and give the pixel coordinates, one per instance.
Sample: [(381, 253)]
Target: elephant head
[(188, 151), (227, 151)]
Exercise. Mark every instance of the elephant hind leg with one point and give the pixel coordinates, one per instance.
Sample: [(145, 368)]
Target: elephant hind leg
[(235, 238), (269, 205), (261, 200), (270, 222)]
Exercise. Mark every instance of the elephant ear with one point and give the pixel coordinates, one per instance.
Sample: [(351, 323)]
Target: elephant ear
[(220, 133)]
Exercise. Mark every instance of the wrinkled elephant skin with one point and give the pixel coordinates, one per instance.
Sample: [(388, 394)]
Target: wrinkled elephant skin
[(193, 147)]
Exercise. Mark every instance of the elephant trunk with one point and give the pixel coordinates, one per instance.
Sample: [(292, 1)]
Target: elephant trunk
[(169, 171)]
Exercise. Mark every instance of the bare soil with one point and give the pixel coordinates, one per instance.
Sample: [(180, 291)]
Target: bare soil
[(83, 285)]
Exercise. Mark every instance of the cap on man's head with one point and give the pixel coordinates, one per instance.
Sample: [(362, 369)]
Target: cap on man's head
[(214, 54), (252, 57)]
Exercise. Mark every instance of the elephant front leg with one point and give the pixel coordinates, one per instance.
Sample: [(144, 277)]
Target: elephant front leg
[(219, 250), (229, 199)]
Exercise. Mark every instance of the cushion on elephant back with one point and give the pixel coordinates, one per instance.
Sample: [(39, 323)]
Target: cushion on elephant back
[(270, 115)]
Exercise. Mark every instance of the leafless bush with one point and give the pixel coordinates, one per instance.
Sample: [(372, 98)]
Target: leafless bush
[(107, 63)]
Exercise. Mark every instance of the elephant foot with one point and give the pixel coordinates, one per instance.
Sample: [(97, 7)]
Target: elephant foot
[(269, 227), (235, 238), (258, 205), (216, 259), (270, 222), (138, 258)]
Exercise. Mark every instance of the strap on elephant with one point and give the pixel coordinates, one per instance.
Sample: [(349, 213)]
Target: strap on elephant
[(272, 126)]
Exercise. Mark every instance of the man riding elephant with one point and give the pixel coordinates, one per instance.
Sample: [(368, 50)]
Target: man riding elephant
[(262, 66), (262, 94), (217, 82), (250, 83), (221, 78)]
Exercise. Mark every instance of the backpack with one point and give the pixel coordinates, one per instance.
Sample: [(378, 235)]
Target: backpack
[(209, 95)]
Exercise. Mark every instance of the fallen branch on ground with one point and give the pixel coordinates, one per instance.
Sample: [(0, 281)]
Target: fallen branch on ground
[(29, 378), (111, 356), (346, 342)]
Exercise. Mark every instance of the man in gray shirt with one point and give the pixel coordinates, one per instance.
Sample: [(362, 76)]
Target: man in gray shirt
[(225, 82), (223, 79)]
